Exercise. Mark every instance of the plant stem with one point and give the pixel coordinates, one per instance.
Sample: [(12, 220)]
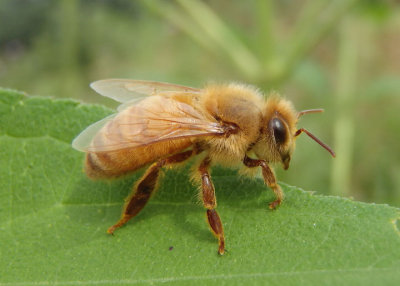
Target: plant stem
[(218, 32), (345, 95), (314, 24), (179, 20)]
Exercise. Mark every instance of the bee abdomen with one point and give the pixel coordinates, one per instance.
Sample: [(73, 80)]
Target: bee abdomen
[(117, 163), (97, 165), (114, 163)]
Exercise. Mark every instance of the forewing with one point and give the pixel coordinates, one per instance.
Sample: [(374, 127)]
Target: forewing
[(125, 90), (153, 120), (85, 138)]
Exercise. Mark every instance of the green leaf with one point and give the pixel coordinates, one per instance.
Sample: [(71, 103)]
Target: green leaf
[(53, 220)]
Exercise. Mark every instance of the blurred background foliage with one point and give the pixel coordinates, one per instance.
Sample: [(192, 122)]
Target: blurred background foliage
[(342, 55)]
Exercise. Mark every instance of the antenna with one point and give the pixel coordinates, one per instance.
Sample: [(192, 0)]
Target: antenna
[(301, 130), (301, 113)]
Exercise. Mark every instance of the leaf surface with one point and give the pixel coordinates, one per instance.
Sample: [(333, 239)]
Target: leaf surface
[(53, 220)]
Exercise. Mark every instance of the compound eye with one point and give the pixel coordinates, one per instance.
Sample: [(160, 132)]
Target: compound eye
[(279, 130)]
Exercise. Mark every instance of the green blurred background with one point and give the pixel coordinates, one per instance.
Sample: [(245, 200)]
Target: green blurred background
[(341, 55)]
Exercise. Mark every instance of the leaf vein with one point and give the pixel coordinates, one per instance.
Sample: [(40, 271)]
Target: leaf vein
[(203, 277)]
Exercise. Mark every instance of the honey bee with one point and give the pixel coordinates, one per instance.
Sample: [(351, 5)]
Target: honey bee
[(161, 124)]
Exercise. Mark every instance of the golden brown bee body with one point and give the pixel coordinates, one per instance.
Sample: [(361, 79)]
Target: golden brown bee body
[(162, 124)]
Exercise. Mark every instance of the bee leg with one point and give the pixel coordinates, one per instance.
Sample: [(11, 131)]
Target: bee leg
[(269, 179), (145, 187), (209, 202)]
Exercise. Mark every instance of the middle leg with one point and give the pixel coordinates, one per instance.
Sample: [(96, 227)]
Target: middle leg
[(210, 203)]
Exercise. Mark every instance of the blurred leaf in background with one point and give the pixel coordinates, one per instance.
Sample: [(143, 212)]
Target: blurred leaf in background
[(341, 55)]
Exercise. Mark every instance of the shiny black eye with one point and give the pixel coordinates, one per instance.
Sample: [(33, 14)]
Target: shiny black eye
[(279, 129)]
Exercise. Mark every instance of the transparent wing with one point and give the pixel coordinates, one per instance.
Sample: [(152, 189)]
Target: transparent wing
[(124, 90), (152, 120), (84, 139)]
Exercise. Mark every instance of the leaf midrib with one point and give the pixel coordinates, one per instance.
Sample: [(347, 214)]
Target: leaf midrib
[(206, 277)]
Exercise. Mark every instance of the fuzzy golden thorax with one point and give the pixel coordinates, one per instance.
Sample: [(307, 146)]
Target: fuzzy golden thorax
[(236, 104)]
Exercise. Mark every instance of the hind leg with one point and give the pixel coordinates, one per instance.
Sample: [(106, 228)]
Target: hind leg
[(145, 187)]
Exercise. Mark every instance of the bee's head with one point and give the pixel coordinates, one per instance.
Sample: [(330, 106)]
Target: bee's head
[(279, 133), (281, 139)]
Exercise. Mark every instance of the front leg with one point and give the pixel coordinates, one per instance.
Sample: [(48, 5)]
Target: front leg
[(269, 178)]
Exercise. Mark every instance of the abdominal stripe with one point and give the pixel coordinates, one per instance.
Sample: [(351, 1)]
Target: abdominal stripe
[(93, 162), (98, 161)]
